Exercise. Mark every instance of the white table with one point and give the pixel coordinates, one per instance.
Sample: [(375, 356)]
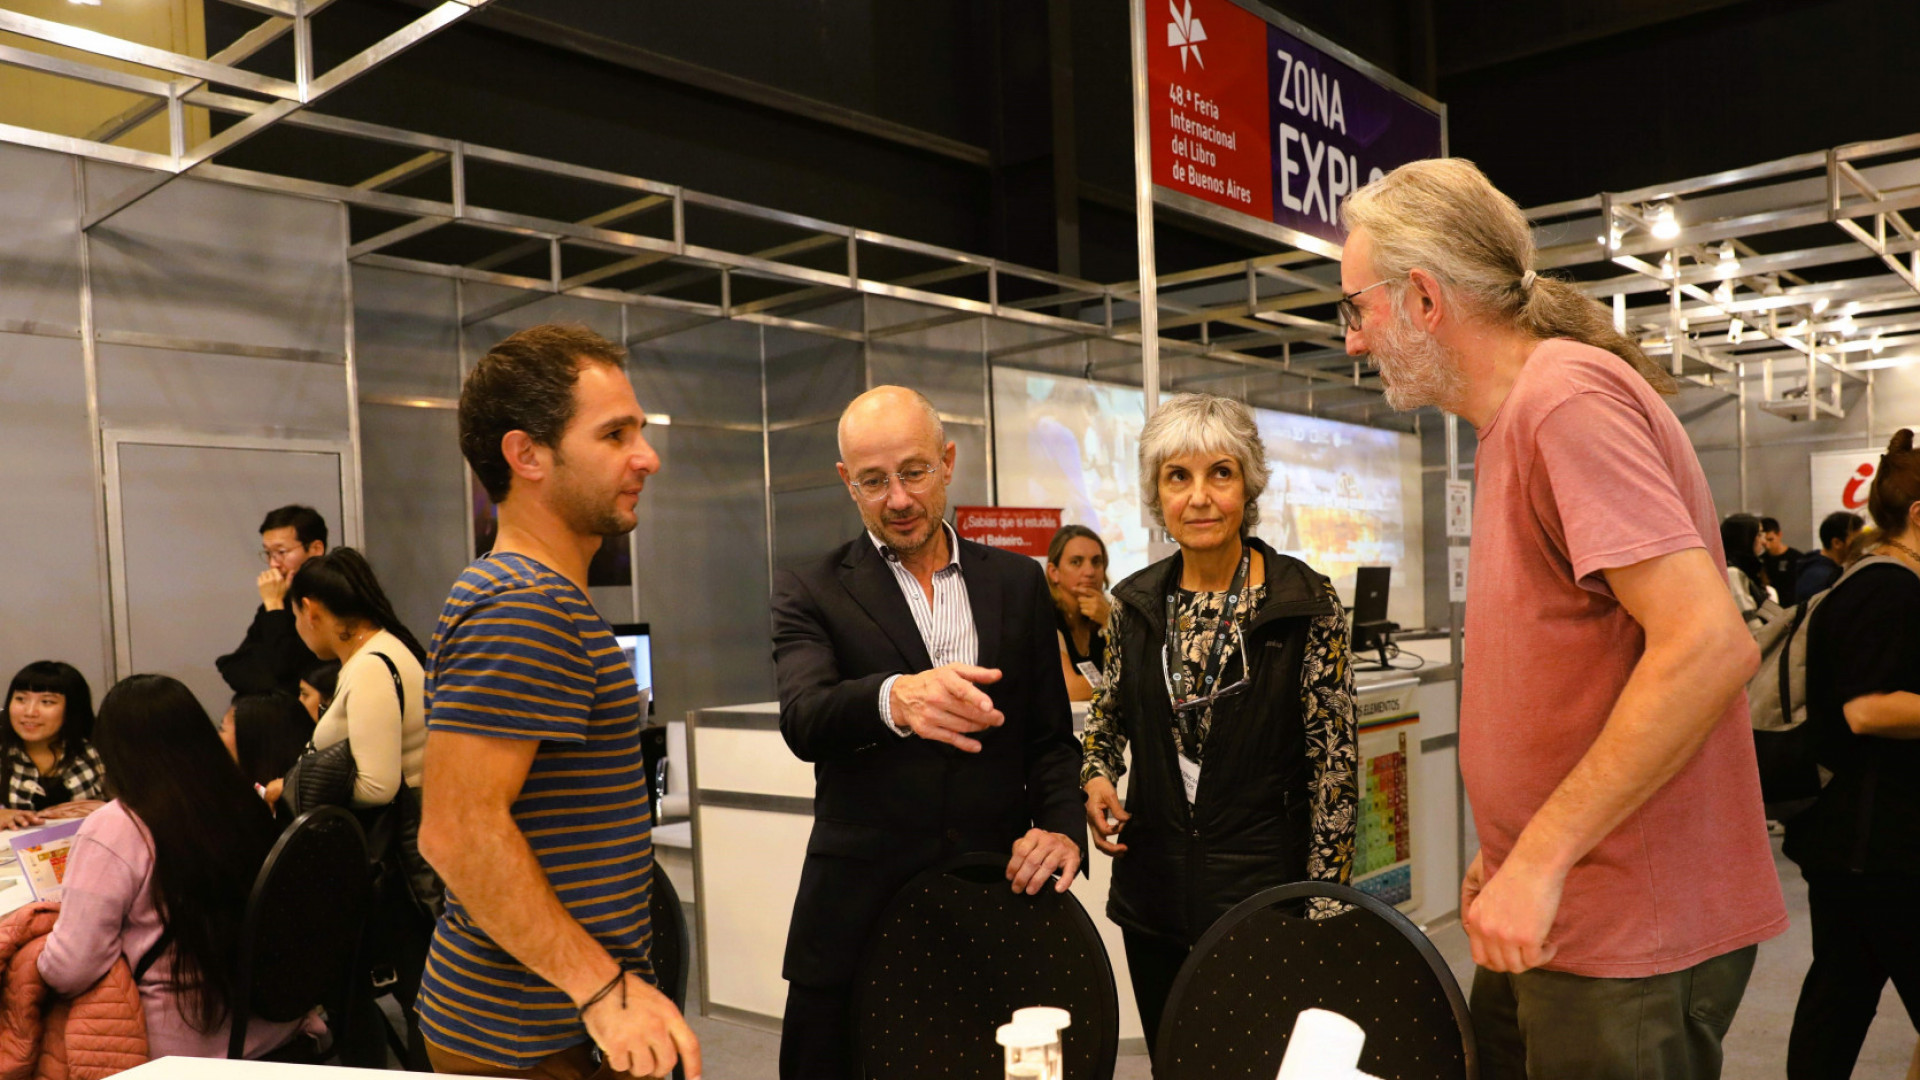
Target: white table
[(192, 1068)]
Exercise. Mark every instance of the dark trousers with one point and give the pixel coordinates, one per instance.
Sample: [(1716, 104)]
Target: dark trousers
[(1863, 934), (1549, 1025), (816, 1035), (1152, 963)]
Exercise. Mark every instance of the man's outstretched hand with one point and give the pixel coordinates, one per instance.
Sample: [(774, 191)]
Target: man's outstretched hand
[(946, 704)]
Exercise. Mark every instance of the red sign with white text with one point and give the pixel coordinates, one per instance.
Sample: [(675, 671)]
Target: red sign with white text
[(1207, 106), (1267, 120), (1027, 530)]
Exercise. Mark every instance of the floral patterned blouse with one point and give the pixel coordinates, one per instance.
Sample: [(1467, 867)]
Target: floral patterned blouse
[(1326, 688)]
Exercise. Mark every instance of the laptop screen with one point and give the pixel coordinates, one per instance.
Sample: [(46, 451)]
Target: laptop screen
[(636, 641)]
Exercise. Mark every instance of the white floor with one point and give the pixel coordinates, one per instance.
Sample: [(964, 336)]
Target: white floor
[(1756, 1047)]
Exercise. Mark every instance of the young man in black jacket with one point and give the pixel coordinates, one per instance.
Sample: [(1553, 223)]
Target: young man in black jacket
[(272, 656)]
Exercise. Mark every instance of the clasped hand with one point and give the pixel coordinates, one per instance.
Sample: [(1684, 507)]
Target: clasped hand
[(1509, 915), (946, 704), (1037, 855)]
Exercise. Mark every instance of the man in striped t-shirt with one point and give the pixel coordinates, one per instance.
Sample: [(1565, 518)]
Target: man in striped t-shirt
[(536, 809)]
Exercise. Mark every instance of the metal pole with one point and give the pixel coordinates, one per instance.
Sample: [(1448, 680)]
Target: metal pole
[(1143, 211), (354, 481), (1740, 379), (766, 456), (986, 390), (90, 365)]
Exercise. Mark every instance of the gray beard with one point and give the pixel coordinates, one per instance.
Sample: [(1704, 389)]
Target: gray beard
[(1423, 371)]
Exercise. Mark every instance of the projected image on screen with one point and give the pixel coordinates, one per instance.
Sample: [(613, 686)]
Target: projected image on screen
[(1341, 496)]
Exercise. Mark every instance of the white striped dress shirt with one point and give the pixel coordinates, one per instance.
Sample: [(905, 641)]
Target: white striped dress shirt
[(945, 623)]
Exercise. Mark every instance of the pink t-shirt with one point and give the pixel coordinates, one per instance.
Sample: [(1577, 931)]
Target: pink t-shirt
[(1585, 469)]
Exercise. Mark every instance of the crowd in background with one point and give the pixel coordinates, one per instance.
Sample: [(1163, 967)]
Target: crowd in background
[(181, 810)]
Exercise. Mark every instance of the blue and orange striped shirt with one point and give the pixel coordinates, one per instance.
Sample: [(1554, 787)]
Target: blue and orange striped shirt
[(520, 653)]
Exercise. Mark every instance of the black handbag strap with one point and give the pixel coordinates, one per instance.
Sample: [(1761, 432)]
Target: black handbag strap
[(153, 952), (398, 691)]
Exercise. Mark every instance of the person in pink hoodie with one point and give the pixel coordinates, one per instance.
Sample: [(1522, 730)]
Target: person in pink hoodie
[(160, 875)]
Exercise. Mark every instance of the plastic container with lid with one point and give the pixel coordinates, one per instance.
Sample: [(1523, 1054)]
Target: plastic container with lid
[(1033, 1051)]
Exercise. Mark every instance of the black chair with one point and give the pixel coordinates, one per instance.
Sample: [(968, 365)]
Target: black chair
[(300, 942), (956, 952), (669, 947), (1234, 1002)]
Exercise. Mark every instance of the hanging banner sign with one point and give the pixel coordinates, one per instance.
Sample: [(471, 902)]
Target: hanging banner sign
[(1027, 530), (1272, 124)]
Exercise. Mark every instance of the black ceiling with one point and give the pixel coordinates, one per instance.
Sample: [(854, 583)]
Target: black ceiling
[(944, 120)]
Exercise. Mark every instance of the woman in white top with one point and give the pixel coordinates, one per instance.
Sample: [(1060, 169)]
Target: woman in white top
[(342, 614)]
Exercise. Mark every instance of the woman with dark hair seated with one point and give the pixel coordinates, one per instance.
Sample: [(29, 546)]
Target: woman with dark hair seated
[(266, 734), (160, 875), (317, 688), (51, 768)]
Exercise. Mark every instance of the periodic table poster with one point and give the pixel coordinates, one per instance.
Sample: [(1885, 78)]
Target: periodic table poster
[(1384, 841)]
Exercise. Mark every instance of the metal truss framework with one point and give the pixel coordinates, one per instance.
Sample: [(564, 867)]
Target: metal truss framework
[(1803, 318)]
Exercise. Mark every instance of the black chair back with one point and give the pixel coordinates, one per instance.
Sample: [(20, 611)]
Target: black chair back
[(1234, 1002), (956, 952), (300, 943), (669, 946)]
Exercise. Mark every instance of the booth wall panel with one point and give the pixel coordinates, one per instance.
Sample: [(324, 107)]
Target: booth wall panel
[(600, 317), (810, 523), (39, 245), (160, 388), (702, 570), (406, 336), (205, 261), (415, 508), (805, 456), (709, 374), (54, 592), (810, 376)]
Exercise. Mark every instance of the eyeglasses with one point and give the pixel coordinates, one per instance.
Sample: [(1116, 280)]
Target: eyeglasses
[(267, 555), (915, 478), (1203, 701), (1350, 311)]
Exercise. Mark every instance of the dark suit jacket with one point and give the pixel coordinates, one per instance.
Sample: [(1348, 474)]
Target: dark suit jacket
[(886, 807)]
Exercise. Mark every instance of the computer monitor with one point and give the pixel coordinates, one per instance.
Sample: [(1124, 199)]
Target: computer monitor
[(1370, 584), (636, 641), (1371, 629)]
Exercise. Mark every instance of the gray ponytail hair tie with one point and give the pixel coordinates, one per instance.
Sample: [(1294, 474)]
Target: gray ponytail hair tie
[(1526, 281)]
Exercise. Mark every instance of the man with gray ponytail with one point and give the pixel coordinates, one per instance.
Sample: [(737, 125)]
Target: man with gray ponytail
[(1624, 878)]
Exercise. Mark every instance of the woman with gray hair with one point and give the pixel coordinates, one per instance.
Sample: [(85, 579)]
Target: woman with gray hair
[(1228, 672)]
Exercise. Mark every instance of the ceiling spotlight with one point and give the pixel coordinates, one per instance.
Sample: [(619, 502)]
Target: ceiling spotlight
[(1845, 326), (1727, 253), (1665, 225), (1735, 331), (1876, 344), (1820, 305), (1724, 292)]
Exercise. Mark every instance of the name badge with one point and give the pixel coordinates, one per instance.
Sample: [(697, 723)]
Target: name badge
[(1189, 777), (1091, 672)]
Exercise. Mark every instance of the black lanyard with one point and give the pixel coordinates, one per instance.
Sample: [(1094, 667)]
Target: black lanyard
[(1215, 662)]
